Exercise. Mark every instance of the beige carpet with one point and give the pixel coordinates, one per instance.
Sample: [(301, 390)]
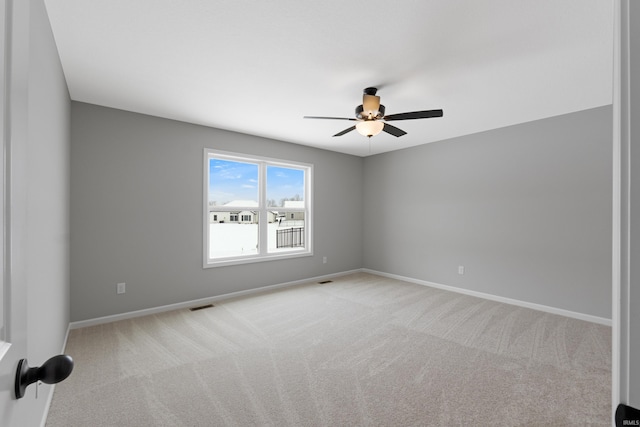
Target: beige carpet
[(361, 351)]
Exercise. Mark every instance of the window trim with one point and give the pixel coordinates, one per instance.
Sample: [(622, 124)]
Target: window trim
[(261, 210)]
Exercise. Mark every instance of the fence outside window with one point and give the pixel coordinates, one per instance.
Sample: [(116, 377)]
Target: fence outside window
[(290, 237)]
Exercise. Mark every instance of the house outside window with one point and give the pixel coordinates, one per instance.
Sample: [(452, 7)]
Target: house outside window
[(256, 208)]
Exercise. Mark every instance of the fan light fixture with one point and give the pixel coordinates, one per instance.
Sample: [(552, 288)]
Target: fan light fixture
[(369, 127)]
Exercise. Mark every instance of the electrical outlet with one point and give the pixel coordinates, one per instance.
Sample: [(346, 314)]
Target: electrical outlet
[(461, 269), (324, 259), (121, 288)]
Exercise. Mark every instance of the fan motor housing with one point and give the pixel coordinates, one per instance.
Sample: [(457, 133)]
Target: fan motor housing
[(360, 109)]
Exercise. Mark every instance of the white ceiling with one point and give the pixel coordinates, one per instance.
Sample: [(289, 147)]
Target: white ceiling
[(258, 67)]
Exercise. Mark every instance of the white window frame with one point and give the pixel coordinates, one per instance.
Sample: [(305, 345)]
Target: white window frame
[(262, 209)]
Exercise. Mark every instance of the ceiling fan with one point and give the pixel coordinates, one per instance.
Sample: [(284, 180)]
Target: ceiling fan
[(371, 120)]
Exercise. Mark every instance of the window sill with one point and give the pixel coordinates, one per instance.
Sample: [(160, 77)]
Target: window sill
[(250, 260)]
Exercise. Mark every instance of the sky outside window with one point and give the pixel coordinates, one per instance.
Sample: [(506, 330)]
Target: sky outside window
[(284, 184), (230, 181)]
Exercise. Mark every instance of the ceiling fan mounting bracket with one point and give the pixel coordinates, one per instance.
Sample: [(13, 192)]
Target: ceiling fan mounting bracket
[(370, 90)]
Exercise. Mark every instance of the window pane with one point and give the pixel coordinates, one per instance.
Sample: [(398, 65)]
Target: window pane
[(285, 187), (286, 231), (233, 183), (233, 234)]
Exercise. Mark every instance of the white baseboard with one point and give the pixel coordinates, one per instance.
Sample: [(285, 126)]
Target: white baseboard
[(201, 301), (534, 306), (210, 300)]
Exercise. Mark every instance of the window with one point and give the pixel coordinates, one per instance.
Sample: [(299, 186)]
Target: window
[(255, 209)]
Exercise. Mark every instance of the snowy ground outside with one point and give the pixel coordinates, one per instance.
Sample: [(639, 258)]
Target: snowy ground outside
[(240, 239)]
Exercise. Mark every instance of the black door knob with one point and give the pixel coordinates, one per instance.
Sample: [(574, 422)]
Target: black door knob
[(52, 371)]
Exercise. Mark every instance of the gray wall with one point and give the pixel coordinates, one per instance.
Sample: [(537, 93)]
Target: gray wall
[(525, 209), (136, 212)]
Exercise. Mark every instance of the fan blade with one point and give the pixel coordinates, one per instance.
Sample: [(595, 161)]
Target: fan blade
[(345, 131), (393, 130), (414, 115), (329, 118)]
